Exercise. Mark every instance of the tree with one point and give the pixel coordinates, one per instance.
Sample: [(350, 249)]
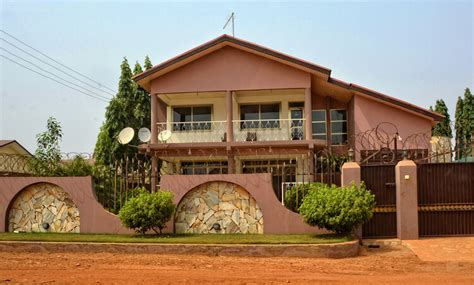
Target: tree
[(339, 209), (147, 64), (468, 116), (47, 160), (129, 108), (142, 111), (459, 128), (443, 128), (147, 211)]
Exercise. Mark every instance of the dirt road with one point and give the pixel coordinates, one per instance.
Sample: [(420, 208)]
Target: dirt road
[(374, 266)]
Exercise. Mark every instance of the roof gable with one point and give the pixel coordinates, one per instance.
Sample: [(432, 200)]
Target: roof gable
[(229, 68)]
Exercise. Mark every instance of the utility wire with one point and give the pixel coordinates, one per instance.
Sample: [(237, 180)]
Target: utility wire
[(93, 96), (45, 55), (57, 76), (60, 70)]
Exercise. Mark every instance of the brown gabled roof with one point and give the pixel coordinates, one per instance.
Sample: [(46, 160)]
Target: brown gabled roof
[(377, 95), (291, 60), (7, 142)]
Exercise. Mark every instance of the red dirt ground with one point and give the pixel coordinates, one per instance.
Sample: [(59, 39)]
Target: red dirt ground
[(374, 266)]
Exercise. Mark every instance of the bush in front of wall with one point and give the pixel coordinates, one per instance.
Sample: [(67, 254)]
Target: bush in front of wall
[(148, 211), (294, 196), (338, 209)]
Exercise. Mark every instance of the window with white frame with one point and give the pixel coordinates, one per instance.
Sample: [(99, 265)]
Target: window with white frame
[(319, 124), (338, 126), (192, 118), (264, 116)]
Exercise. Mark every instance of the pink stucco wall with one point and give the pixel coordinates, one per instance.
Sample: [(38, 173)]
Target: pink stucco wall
[(230, 69), (94, 218), (276, 218), (368, 113)]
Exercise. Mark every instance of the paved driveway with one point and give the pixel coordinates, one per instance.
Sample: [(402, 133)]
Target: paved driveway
[(443, 249)]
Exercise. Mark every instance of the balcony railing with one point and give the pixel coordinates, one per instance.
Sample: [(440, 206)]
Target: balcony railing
[(244, 130), (268, 130), (190, 132)]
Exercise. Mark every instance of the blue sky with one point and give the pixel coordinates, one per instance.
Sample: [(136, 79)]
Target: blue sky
[(416, 51)]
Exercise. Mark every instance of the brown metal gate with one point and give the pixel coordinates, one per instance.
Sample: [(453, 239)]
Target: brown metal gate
[(446, 199), (380, 180)]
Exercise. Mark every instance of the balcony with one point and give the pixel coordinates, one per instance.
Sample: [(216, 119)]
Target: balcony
[(243, 131)]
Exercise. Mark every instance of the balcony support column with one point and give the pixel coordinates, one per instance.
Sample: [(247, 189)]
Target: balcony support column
[(231, 164), (230, 129), (308, 114), (154, 140)]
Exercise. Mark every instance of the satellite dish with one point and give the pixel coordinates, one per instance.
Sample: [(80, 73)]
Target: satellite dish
[(144, 135), (126, 135), (165, 135)]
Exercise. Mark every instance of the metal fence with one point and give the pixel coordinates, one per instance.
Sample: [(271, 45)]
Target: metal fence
[(446, 199)]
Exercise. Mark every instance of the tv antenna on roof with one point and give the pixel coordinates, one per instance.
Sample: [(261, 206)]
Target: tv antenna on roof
[(231, 17)]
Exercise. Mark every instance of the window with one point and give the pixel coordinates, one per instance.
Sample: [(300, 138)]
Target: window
[(203, 167), (260, 116), (338, 126), (192, 118), (319, 124)]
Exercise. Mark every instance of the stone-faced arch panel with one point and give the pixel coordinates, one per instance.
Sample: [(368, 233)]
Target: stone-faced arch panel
[(218, 207), (43, 207)]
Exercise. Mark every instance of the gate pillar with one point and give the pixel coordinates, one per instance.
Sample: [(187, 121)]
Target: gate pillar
[(407, 200), (350, 174)]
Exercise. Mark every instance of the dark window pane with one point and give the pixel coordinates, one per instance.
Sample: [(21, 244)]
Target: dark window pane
[(201, 114), (339, 127), (319, 137), (249, 112), (338, 115), (339, 139), (182, 114), (270, 112), (296, 104), (319, 115), (319, 128)]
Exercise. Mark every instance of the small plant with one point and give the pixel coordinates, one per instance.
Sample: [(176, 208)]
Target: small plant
[(339, 209), (147, 211)]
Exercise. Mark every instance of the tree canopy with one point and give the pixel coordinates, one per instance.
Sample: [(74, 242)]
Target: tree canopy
[(129, 108), (443, 128), (464, 124)]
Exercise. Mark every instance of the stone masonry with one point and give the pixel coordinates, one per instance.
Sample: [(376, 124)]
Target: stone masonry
[(43, 205), (223, 203)]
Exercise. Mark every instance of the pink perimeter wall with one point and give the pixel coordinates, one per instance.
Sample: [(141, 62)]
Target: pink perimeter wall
[(276, 218), (230, 69), (94, 218), (369, 113)]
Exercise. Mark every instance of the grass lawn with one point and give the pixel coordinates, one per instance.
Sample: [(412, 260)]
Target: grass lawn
[(175, 238)]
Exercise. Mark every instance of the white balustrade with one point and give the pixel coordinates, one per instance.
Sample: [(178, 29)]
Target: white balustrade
[(244, 130)]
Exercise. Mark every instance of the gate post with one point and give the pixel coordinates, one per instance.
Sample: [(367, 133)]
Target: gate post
[(407, 200), (350, 173)]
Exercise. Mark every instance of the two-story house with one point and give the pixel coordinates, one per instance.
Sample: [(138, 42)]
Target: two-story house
[(231, 106)]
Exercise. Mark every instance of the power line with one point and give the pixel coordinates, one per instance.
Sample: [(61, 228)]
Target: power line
[(68, 74), (55, 75), (98, 98), (72, 76), (45, 55)]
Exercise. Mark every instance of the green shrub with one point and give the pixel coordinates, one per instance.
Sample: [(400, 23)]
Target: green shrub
[(77, 167), (339, 209), (294, 196), (147, 211)]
